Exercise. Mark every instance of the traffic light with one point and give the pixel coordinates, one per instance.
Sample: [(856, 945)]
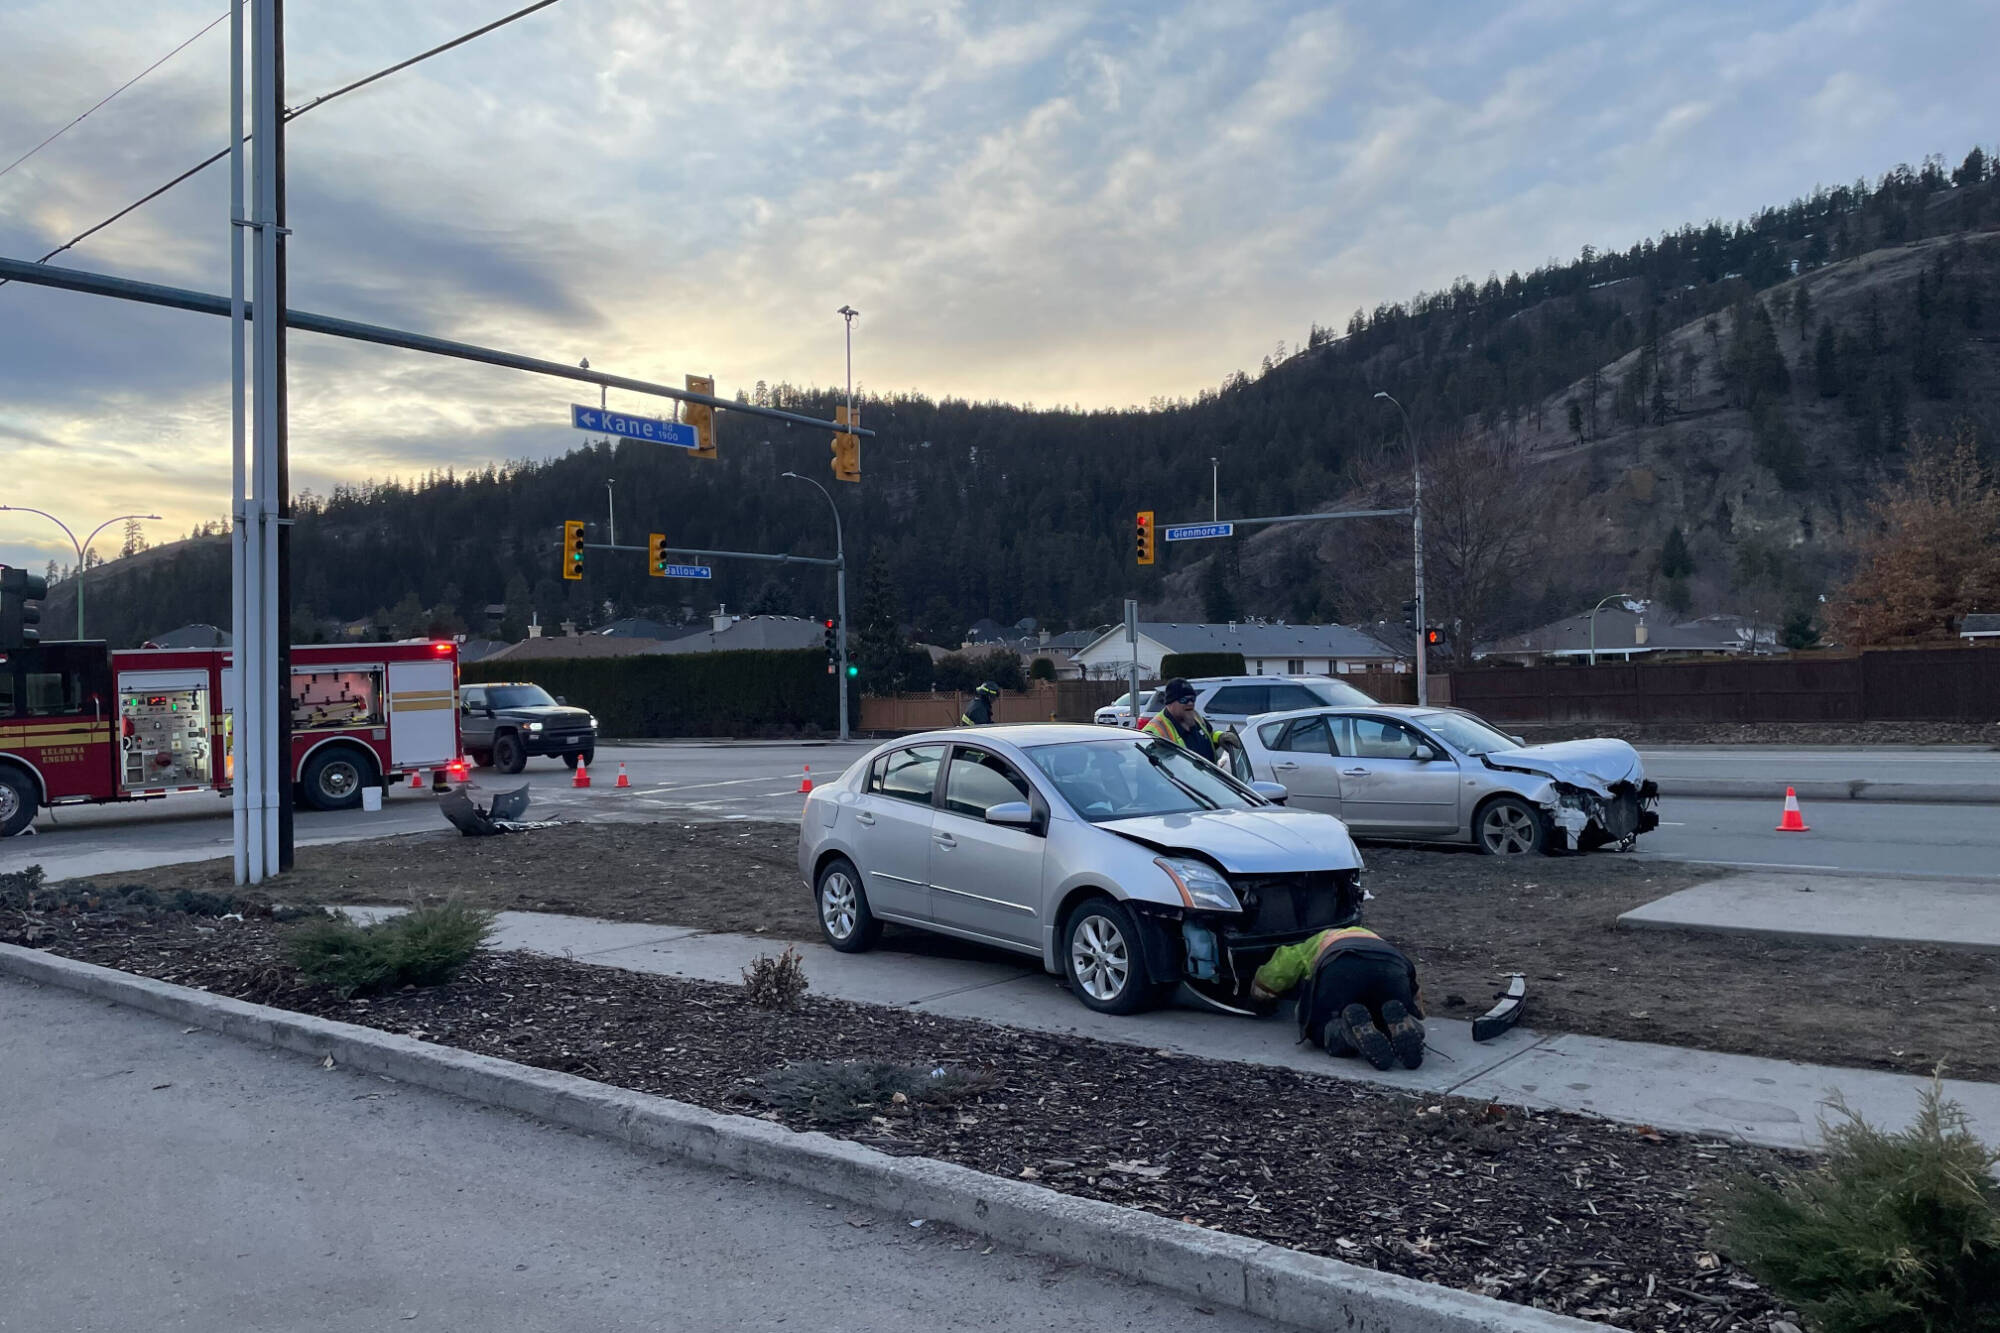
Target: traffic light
[(1410, 617), (1433, 636), (1143, 536), (572, 557), (702, 417), (832, 644), (846, 450), (20, 610), (656, 554)]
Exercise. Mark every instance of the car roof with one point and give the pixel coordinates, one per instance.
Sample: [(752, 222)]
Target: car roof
[(1021, 734), (1414, 711)]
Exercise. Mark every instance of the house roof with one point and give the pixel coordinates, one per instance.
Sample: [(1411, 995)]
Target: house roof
[(478, 650), (749, 633), (636, 627), (191, 636), (573, 645), (1980, 622), (1255, 640), (1618, 632)]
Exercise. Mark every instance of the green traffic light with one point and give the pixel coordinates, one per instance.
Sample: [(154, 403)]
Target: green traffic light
[(853, 670)]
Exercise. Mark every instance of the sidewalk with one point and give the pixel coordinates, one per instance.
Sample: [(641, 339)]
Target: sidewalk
[(1776, 1103), (1947, 913)]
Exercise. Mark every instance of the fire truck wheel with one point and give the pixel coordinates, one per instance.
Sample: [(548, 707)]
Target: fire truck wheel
[(509, 755), (334, 778), (17, 801)]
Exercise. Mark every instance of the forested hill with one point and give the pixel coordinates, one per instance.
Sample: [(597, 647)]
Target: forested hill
[(1745, 386)]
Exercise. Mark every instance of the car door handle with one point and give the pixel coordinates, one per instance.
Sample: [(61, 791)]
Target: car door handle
[(945, 840), (863, 817), (1284, 768), (1354, 772)]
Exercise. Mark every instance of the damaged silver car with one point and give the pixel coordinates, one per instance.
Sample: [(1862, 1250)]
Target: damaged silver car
[(1124, 863), (1444, 775)]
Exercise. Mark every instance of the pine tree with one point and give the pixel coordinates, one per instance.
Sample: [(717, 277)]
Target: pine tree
[(1676, 561), (877, 645), (1826, 361)]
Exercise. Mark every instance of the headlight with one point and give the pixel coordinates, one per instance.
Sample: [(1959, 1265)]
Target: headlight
[(1200, 883), (534, 726), (590, 721)]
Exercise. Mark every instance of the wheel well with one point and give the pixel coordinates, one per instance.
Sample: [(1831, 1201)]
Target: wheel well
[(33, 778), (819, 866), (366, 755)]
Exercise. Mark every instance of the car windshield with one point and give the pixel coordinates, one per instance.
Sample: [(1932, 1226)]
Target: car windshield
[(1467, 733), (517, 696), (1336, 692), (1129, 779)]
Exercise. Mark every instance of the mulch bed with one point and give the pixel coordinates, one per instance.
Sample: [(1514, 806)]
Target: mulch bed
[(1588, 1218), (1467, 919)]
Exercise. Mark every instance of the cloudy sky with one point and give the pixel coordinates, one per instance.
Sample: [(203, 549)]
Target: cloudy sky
[(1086, 203)]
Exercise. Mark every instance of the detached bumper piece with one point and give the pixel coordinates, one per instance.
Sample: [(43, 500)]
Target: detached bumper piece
[(502, 816), (1504, 1014)]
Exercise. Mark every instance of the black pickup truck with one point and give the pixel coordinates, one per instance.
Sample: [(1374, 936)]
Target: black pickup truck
[(502, 724)]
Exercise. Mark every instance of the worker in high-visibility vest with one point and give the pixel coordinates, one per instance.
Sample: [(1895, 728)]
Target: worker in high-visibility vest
[(1177, 721), (1357, 995)]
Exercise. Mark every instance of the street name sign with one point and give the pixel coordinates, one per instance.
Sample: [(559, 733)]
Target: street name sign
[(676, 433), (1189, 532), (687, 571)]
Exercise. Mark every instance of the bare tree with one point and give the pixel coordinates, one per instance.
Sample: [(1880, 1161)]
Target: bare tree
[(1486, 521)]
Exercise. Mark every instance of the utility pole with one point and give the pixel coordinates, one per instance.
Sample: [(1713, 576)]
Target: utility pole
[(281, 455), (840, 594), (1417, 537), (1132, 646), (1215, 492), (610, 514)]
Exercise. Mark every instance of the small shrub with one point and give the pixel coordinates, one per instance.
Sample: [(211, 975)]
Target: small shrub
[(1890, 1232), (423, 947), (776, 983), (848, 1092)]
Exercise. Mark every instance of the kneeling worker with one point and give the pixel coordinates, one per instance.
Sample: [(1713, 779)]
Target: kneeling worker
[(1357, 995)]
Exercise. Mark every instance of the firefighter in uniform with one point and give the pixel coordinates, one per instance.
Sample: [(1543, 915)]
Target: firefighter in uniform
[(979, 713), (1177, 721), (1357, 995)]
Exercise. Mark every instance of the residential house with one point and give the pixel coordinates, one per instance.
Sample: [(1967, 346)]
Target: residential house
[(731, 633), (1625, 630), (1268, 650), (1981, 627)]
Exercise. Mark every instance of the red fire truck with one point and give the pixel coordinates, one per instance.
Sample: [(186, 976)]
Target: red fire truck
[(83, 725)]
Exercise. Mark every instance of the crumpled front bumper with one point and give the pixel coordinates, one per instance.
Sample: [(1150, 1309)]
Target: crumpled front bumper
[(1583, 816)]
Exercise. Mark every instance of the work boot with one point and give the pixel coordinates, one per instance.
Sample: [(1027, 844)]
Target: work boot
[(1406, 1033), (1358, 1026)]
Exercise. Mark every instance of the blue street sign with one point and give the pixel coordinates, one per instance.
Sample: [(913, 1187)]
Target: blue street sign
[(1189, 532), (678, 434), (687, 571)]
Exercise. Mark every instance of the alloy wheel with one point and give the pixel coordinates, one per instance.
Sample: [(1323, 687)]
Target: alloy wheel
[(839, 906), (1508, 830), (1099, 957)]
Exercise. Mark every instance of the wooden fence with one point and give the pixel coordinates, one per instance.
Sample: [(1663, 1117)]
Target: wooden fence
[(1045, 701), (1907, 685)]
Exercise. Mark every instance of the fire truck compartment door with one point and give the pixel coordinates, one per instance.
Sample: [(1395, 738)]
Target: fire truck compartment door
[(423, 714)]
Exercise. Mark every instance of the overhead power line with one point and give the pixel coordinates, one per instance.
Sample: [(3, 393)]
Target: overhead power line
[(113, 93), (291, 114)]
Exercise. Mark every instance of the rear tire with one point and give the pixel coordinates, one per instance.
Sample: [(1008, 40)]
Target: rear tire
[(509, 754), (1510, 826), (842, 903), (1104, 960), (17, 801), (334, 777), (481, 758)]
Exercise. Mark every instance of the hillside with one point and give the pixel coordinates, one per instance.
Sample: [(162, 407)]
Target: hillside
[(1748, 385)]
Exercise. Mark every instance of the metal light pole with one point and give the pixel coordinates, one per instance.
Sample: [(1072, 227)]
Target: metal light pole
[(1215, 490), (81, 546), (1593, 622), (610, 514), (848, 312), (1417, 539), (840, 592)]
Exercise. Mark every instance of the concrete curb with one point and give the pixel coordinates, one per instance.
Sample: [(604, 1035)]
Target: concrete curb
[(1261, 1279), (1855, 789)]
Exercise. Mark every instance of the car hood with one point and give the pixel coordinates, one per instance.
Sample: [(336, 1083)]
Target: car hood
[(547, 713), (1596, 764), (1259, 842)]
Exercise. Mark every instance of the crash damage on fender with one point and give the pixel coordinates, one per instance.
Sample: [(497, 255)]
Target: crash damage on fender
[(1595, 792)]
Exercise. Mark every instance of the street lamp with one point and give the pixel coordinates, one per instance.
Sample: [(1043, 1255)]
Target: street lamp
[(840, 590), (1417, 540), (1593, 622), (81, 547), (1215, 489)]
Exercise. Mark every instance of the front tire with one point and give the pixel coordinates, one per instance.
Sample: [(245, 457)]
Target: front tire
[(17, 801), (1510, 826), (589, 758), (1104, 961), (844, 918), (334, 778), (509, 754)]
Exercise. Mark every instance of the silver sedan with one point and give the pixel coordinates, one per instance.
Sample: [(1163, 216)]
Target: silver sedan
[(1441, 774), (1122, 862)]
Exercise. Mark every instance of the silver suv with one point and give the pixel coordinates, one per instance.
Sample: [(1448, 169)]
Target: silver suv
[(1230, 701)]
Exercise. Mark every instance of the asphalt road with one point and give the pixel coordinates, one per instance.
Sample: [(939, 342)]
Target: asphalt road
[(1779, 768), (1949, 841), (157, 1178)]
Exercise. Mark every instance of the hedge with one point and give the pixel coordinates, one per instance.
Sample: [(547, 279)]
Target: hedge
[(1192, 665), (686, 694)]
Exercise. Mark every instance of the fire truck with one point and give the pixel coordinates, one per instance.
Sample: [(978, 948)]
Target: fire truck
[(81, 725)]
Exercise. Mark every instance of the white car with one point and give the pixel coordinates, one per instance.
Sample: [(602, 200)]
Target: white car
[(1445, 775), (1121, 861), (1118, 713)]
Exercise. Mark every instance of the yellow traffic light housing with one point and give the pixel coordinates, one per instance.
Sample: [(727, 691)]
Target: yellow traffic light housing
[(1143, 536), (702, 417), (846, 450), (572, 559), (656, 554)]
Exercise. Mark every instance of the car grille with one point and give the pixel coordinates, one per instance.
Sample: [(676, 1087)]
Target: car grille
[(1297, 904)]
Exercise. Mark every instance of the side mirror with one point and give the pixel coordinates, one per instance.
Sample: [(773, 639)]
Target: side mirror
[(561, 700), (1018, 814), (1518, 740), (1274, 792), (489, 710), (1426, 754)]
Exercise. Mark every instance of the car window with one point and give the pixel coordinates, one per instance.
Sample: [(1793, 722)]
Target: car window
[(519, 696), (1242, 700), (1285, 698), (473, 698), (1336, 692), (1379, 738), (54, 692), (1131, 778), (907, 775), (1340, 735), (978, 781), (1304, 735), (1469, 733)]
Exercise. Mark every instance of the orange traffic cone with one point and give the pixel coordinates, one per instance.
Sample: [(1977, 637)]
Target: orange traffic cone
[(806, 782), (1793, 822), (582, 778), (623, 781), (416, 780)]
